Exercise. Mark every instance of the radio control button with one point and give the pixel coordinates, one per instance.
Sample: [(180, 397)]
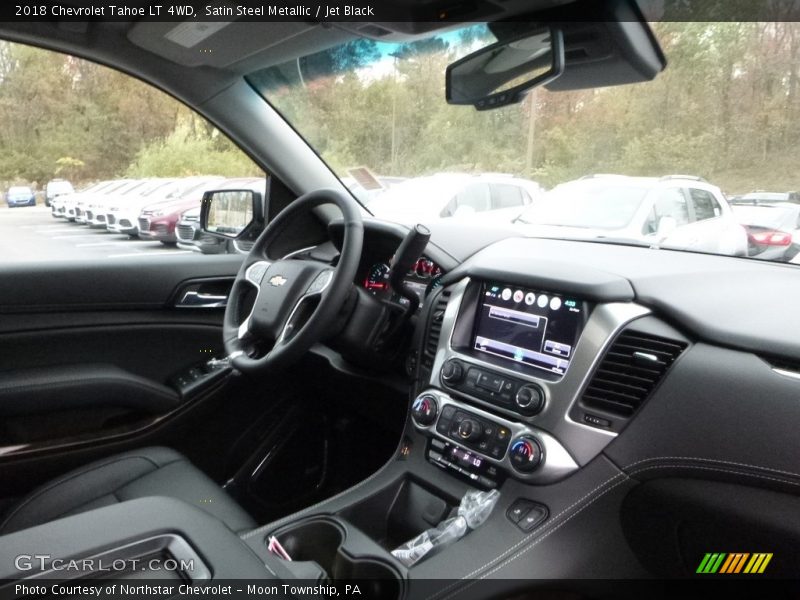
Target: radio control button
[(452, 372), (529, 400)]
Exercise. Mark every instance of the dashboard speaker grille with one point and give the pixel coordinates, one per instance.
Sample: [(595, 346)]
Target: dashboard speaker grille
[(435, 328), (630, 370)]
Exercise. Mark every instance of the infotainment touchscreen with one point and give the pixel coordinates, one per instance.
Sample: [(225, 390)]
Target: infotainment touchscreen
[(526, 326)]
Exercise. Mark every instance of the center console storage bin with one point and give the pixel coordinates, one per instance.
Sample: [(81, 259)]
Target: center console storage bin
[(398, 512)]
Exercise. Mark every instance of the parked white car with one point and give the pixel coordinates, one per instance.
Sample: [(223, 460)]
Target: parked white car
[(55, 188), (489, 197), (58, 205), (94, 211), (74, 204), (123, 216), (678, 212)]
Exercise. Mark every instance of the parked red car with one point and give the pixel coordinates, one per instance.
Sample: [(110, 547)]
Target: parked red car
[(157, 221)]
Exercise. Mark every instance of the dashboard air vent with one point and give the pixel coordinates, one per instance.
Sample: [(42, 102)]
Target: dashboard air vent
[(435, 328), (630, 370)]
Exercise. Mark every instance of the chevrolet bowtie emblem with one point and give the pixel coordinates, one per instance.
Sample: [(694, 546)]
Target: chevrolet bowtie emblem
[(278, 280)]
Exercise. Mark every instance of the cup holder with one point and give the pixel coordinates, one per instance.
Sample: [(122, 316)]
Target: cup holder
[(316, 541), (342, 554)]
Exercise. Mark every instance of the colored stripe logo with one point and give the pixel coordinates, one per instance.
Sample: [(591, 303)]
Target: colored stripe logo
[(735, 562)]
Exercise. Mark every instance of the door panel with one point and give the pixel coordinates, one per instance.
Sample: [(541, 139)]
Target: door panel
[(90, 349), (115, 285)]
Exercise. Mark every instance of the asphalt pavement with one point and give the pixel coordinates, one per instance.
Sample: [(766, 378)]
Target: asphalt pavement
[(30, 233)]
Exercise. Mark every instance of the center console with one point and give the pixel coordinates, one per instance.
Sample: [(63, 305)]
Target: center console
[(504, 368), (499, 370)]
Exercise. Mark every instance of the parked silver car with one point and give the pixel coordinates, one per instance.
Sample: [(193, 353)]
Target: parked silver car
[(678, 212)]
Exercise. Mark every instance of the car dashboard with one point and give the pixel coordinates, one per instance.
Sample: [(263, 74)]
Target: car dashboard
[(613, 395)]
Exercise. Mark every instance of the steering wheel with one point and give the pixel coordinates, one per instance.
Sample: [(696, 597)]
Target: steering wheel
[(289, 290)]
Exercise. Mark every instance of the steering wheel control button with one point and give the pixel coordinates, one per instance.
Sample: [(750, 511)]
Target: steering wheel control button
[(529, 400), (424, 410), (526, 514), (525, 454), (256, 272), (452, 372), (320, 282)]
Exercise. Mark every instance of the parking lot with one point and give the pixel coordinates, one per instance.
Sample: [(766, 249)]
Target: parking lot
[(31, 234)]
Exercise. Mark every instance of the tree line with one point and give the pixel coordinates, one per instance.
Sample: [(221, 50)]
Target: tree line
[(61, 116), (726, 108)]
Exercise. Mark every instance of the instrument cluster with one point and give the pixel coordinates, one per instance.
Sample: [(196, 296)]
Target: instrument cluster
[(422, 278)]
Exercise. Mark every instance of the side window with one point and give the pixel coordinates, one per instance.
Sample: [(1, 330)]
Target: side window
[(475, 196), (505, 195), (124, 168), (705, 205), (672, 203)]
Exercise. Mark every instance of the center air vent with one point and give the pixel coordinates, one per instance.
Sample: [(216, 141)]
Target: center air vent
[(434, 329), (630, 370)]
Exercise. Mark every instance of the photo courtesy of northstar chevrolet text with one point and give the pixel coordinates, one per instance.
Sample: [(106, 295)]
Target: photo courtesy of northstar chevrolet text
[(404, 300)]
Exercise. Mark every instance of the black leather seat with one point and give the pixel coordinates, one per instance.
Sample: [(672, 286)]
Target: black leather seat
[(136, 474)]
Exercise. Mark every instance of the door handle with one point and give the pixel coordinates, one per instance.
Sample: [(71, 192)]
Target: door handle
[(194, 298), (211, 292)]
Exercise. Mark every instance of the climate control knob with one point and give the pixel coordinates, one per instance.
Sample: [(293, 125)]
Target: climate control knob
[(525, 454), (470, 430), (424, 410), (452, 372), (529, 400)]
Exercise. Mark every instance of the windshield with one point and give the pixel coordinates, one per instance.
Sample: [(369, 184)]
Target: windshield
[(719, 123)]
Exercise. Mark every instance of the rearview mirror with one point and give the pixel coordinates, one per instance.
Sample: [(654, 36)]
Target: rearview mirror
[(504, 72), (228, 213)]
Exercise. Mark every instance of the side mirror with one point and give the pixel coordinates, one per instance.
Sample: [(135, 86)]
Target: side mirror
[(229, 213), (666, 225), (504, 72)]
